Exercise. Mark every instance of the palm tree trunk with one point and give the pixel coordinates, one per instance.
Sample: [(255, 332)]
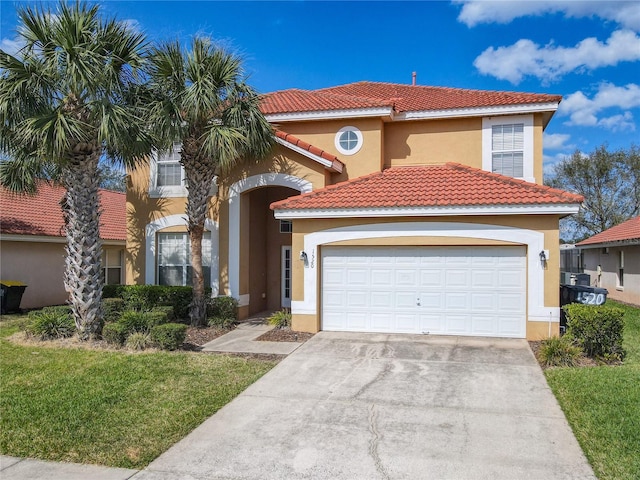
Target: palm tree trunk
[(82, 278), (199, 179)]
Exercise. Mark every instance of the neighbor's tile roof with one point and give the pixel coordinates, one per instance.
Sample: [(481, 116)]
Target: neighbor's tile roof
[(41, 214), (293, 140), (403, 98), (629, 230), (446, 185)]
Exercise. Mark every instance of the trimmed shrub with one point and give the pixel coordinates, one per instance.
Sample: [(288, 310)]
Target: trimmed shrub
[(155, 317), (168, 311), (142, 297), (559, 352), (180, 299), (50, 323), (115, 333), (138, 341), (133, 321), (169, 336), (280, 319), (222, 311), (112, 291), (112, 309), (598, 330)]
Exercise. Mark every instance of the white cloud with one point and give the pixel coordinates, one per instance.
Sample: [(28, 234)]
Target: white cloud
[(584, 111), (550, 62), (133, 24), (474, 12), (11, 46), (556, 141)]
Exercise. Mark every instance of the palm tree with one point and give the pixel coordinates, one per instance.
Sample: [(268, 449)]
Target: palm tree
[(66, 101), (202, 100)]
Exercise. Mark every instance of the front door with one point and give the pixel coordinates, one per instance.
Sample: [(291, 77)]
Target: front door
[(286, 276)]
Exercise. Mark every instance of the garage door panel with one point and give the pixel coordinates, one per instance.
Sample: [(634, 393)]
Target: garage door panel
[(430, 300), (440, 290), (405, 300), (381, 277)]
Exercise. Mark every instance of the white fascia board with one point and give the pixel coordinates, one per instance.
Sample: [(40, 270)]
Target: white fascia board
[(477, 111), (49, 239), (617, 243), (547, 209), (331, 114), (328, 164)]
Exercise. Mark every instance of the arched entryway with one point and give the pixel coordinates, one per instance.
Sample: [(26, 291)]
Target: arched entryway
[(259, 245)]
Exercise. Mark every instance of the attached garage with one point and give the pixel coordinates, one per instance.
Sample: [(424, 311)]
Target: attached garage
[(479, 291)]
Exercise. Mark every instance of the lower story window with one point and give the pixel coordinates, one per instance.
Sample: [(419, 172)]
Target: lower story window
[(112, 267), (174, 259)]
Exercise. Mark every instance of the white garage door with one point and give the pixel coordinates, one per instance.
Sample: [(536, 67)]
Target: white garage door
[(438, 290)]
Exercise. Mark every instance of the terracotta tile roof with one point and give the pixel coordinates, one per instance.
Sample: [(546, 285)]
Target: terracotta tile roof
[(626, 231), (336, 164), (41, 213), (295, 100), (446, 185), (404, 98)]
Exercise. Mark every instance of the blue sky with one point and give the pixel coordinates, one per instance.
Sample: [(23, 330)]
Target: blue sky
[(586, 51)]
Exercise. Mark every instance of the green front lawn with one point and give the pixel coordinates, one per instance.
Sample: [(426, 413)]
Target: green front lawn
[(111, 408), (602, 405)]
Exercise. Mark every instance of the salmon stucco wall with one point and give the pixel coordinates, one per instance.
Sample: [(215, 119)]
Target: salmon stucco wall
[(40, 265)]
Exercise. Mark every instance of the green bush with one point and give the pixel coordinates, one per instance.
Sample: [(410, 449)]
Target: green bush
[(280, 319), (169, 336), (147, 297), (112, 291), (180, 299), (50, 323), (112, 309), (142, 297), (559, 352), (115, 333), (155, 317), (222, 311), (138, 341), (168, 311), (598, 330), (220, 322), (58, 309), (133, 321)]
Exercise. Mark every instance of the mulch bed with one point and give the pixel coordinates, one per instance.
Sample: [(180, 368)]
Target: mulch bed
[(584, 361), (284, 335), (198, 336)]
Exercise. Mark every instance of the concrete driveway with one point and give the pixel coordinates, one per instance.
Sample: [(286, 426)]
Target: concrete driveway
[(371, 406)]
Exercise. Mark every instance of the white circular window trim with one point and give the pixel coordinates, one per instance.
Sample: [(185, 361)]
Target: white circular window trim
[(358, 145)]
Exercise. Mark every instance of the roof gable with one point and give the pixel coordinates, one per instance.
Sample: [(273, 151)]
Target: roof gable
[(41, 214), (326, 159), (628, 231)]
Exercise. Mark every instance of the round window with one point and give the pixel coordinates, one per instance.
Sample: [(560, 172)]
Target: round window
[(348, 140)]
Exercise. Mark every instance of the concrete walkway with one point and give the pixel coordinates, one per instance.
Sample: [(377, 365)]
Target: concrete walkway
[(12, 468), (243, 340), (373, 406)]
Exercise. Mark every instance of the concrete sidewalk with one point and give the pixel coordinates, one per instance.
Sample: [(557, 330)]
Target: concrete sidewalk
[(13, 468)]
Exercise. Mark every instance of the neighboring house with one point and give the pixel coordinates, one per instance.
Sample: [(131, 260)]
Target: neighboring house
[(612, 258), (384, 208), (32, 242)]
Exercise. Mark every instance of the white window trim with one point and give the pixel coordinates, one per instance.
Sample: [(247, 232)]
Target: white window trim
[(487, 158), (165, 191), (172, 221), (358, 146)]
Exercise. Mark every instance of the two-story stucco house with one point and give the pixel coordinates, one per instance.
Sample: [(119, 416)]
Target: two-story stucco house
[(384, 208)]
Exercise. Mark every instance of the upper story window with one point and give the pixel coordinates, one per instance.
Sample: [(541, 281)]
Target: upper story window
[(507, 146), (167, 175), (348, 140)]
